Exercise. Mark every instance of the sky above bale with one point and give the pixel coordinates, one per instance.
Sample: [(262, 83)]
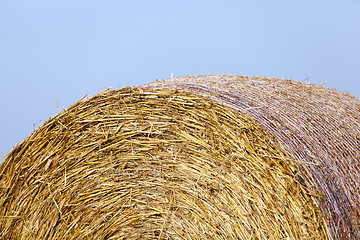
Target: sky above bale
[(52, 53)]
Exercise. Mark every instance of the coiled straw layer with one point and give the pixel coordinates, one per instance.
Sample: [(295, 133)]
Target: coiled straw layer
[(184, 158)]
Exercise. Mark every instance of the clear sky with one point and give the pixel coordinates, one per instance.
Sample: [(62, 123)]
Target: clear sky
[(54, 51)]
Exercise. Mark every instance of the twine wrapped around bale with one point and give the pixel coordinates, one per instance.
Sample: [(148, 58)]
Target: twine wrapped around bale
[(200, 157)]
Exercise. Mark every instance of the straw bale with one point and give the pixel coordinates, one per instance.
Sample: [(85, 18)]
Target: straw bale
[(200, 157)]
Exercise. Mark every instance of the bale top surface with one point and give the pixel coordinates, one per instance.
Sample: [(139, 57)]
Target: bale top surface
[(319, 127)]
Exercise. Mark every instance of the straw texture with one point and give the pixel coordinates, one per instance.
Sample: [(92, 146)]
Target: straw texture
[(317, 127), (200, 157)]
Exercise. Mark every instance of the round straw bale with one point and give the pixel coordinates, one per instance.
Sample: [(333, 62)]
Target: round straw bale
[(200, 157)]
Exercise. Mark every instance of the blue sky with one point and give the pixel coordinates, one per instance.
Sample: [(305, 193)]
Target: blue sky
[(58, 51)]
